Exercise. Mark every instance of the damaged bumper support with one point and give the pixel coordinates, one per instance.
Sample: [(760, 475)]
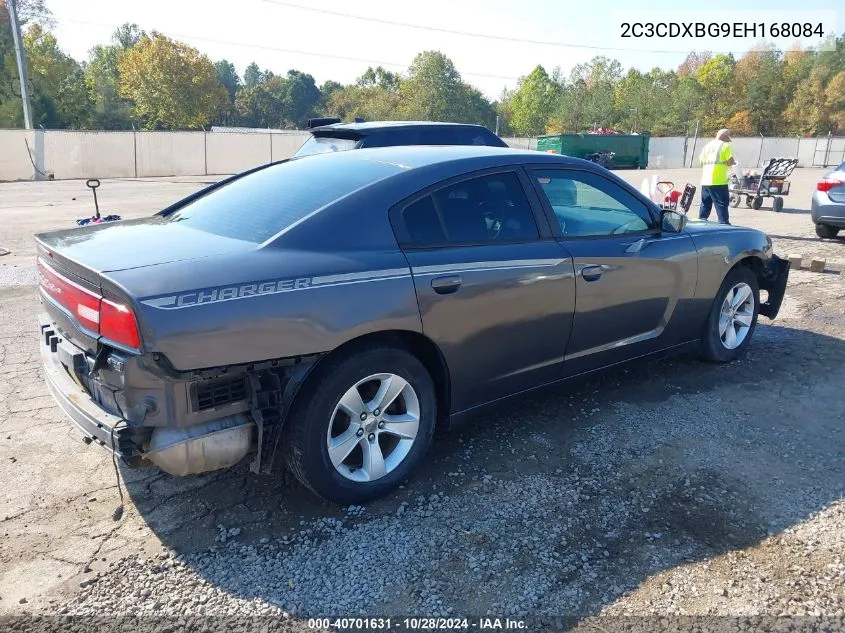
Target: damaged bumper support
[(773, 281), (187, 450)]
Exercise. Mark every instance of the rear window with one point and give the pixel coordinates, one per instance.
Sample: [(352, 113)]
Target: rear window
[(255, 207), (324, 145)]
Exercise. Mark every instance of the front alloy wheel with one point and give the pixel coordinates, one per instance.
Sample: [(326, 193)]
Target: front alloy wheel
[(733, 316), (373, 427), (736, 316)]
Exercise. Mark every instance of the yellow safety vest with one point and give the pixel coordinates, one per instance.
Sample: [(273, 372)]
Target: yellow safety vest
[(714, 162)]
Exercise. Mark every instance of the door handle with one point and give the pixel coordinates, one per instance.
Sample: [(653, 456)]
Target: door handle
[(636, 247), (446, 285), (591, 273)]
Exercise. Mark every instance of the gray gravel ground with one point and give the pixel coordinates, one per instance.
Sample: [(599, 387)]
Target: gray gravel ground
[(666, 490)]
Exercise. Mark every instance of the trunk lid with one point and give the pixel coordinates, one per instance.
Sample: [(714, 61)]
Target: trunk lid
[(114, 246), (75, 266)]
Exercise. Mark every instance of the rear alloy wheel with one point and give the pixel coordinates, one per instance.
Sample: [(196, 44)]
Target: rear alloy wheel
[(826, 231), (361, 425), (373, 427), (733, 316)]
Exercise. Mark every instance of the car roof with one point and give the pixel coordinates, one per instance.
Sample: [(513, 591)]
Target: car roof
[(408, 157), (374, 126)]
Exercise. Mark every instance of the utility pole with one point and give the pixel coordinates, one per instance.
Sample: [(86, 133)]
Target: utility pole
[(21, 55), (694, 142)]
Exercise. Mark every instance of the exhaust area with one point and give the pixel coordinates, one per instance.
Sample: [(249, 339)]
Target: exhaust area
[(203, 447)]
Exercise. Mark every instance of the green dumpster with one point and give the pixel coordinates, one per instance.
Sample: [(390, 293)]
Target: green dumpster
[(631, 150)]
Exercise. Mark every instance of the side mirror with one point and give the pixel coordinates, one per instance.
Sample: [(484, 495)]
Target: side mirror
[(672, 221)]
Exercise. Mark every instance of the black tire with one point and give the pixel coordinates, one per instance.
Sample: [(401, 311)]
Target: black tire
[(305, 434), (757, 202), (777, 204), (712, 347), (826, 231), (735, 200), (749, 201)]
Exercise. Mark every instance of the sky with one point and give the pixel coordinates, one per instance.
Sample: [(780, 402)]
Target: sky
[(279, 36)]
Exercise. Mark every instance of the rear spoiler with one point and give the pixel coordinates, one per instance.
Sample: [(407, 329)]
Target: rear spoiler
[(320, 122), (312, 123)]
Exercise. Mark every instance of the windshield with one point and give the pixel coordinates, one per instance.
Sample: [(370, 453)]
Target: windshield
[(324, 145), (257, 206)]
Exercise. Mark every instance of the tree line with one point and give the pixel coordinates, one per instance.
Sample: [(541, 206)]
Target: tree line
[(149, 81)]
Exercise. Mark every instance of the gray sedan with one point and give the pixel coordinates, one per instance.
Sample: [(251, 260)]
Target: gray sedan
[(330, 313), (828, 206)]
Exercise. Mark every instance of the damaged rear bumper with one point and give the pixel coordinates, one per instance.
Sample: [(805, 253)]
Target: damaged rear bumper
[(216, 443), (97, 424), (773, 280)]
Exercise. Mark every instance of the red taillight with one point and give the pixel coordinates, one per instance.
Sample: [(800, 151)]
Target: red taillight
[(83, 304), (117, 323), (826, 184), (112, 320)]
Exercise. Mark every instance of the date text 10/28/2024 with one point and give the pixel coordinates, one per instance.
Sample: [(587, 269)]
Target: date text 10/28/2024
[(416, 624)]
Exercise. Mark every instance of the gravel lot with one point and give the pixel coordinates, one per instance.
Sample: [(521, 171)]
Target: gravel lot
[(666, 489)]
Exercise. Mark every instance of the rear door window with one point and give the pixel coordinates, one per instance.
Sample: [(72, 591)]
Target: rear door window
[(488, 209)]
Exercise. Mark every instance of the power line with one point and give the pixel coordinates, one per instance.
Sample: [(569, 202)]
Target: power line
[(283, 50), (487, 36)]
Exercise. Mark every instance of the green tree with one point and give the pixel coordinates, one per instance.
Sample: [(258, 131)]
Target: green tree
[(252, 75), (326, 91), (835, 102), (588, 98), (685, 103), (533, 103), (720, 100), (170, 84), (758, 84), (110, 110), (127, 35), (227, 75), (300, 99), (379, 77), (279, 102), (59, 80), (434, 91), (806, 114)]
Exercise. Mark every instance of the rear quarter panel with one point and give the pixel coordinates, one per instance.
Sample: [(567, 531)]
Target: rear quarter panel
[(273, 304)]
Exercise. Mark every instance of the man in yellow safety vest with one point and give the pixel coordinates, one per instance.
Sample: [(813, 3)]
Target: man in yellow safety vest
[(715, 159)]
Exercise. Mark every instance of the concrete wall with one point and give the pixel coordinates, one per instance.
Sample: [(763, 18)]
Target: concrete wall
[(85, 154), (170, 153), (70, 154), (232, 153), (520, 142), (666, 152), (14, 161), (286, 144)]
